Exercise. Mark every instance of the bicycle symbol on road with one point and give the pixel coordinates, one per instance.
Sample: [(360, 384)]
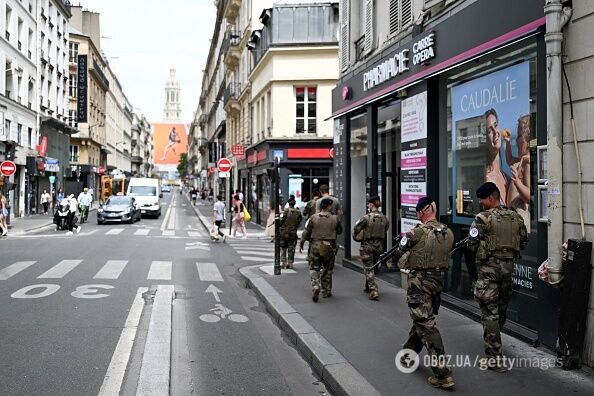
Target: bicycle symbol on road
[(220, 312)]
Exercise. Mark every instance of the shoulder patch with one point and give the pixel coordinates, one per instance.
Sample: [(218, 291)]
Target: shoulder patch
[(403, 241), (474, 232)]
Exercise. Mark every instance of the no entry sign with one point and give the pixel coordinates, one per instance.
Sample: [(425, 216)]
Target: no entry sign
[(7, 168), (224, 165)]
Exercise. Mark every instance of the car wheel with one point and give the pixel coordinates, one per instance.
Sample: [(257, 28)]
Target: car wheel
[(99, 222)]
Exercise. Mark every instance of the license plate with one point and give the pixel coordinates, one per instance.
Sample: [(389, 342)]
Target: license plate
[(143, 211)]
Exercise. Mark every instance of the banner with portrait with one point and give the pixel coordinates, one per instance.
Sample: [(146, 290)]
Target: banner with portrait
[(491, 130)]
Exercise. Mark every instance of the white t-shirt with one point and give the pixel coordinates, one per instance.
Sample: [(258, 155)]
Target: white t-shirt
[(219, 211)]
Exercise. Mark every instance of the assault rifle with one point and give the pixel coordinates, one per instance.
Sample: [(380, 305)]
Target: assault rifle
[(385, 256), (459, 245)]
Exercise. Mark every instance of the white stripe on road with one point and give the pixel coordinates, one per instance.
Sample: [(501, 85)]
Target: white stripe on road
[(266, 253), (260, 259), (209, 272), (111, 270), (194, 234), (114, 231), (168, 233), (60, 270), (15, 268), (160, 270), (171, 223), (167, 213), (142, 231), (114, 377)]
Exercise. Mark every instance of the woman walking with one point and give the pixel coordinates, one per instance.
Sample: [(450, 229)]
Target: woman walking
[(238, 218), (3, 214)]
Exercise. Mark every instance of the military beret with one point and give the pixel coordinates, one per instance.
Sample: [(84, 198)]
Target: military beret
[(374, 199), (486, 190), (423, 201), (326, 202)]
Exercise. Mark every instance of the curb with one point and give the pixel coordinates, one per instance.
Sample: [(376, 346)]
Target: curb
[(329, 364), (40, 227)]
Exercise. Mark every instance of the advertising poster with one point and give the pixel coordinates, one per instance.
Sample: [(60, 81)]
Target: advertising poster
[(413, 159), (169, 140), (295, 187), (491, 140)]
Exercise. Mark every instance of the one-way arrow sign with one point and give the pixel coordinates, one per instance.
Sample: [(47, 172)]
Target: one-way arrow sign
[(215, 292)]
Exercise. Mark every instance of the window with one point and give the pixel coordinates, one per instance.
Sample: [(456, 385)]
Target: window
[(305, 109), (74, 153), (19, 133), (72, 85), (72, 118), (73, 50), (30, 138), (400, 15)]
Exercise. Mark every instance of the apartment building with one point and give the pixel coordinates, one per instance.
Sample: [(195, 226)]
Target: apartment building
[(142, 145), (118, 126)]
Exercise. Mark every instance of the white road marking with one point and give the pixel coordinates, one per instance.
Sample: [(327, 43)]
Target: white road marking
[(194, 234), (260, 259), (111, 270), (160, 270), (171, 224), (166, 218), (114, 377), (206, 249), (209, 272), (256, 253), (142, 231), (269, 269), (215, 292), (168, 233), (15, 268), (114, 231), (60, 270)]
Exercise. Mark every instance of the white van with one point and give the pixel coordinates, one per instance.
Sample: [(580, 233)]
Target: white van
[(147, 194)]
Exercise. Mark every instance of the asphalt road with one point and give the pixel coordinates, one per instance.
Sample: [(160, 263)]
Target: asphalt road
[(66, 300)]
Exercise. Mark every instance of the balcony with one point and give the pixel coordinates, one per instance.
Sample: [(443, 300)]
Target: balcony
[(136, 159), (231, 98), (232, 10), (231, 50), (96, 69)]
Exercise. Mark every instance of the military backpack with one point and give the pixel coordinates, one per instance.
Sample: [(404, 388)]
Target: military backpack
[(432, 252)]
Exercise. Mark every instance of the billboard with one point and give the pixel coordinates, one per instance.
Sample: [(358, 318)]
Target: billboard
[(491, 140), (169, 141)]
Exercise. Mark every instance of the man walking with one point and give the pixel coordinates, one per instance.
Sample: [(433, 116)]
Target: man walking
[(218, 216), (45, 201), (73, 206), (497, 236), (336, 208), (289, 223), (371, 230), (321, 231), (310, 206), (427, 249)]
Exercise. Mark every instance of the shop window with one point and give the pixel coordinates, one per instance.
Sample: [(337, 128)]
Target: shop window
[(306, 109)]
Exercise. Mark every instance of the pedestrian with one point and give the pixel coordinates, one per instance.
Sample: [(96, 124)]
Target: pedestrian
[(310, 206), (497, 236), (270, 226), (45, 201), (321, 231), (3, 214), (238, 218), (218, 216), (73, 206), (210, 195), (59, 196), (85, 201), (336, 208), (371, 230), (427, 256), (237, 192), (289, 223)]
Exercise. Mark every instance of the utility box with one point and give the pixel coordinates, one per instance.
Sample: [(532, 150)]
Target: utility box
[(575, 294)]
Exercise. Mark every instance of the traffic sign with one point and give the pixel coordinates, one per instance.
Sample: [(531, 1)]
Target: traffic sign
[(224, 165), (52, 179), (7, 168), (223, 175)]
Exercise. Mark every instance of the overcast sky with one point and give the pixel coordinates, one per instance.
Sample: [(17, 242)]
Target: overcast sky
[(146, 38)]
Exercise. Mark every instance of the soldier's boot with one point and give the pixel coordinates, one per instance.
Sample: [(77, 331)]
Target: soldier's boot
[(493, 363), (283, 264), (443, 383), (290, 265), (373, 295), (316, 294)]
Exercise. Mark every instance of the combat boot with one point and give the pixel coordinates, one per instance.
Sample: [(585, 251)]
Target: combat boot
[(316, 294), (373, 295), (284, 265), (290, 265), (443, 383)]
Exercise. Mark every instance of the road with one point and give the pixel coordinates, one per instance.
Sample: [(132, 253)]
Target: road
[(87, 314)]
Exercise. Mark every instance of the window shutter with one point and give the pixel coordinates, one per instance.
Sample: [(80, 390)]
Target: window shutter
[(394, 16), (369, 19), (406, 13), (345, 40)]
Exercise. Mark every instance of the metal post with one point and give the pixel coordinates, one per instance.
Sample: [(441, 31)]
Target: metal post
[(277, 265)]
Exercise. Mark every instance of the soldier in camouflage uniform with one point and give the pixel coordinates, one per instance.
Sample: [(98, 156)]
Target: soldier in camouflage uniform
[(310, 207), (497, 236), (321, 231), (426, 250), (371, 230), (289, 223)]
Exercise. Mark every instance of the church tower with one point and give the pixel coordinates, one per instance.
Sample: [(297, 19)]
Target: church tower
[(172, 111)]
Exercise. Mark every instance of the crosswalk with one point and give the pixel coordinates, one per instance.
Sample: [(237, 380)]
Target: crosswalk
[(129, 232), (260, 250), (157, 270)]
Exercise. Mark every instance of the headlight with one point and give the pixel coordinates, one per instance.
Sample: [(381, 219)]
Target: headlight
[(99, 210), (127, 210)]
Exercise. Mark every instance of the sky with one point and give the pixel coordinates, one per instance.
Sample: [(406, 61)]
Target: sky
[(143, 39)]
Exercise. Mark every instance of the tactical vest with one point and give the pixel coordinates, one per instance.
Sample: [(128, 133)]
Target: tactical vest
[(376, 225), (502, 236), (292, 220), (432, 251), (324, 226)]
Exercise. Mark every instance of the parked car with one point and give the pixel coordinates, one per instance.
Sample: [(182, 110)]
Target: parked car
[(165, 188), (118, 208)]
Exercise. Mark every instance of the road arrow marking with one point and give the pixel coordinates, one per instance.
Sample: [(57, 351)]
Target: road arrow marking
[(215, 292)]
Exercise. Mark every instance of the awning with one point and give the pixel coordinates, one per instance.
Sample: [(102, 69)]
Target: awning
[(58, 125)]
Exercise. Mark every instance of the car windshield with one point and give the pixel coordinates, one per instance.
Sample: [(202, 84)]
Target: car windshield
[(119, 201), (143, 190)]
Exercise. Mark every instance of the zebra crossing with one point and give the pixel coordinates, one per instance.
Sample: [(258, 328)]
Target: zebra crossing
[(112, 270), (261, 251)]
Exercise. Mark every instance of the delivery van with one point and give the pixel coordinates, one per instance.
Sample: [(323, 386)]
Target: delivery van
[(147, 194)]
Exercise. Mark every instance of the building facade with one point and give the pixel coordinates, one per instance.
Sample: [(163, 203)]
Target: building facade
[(118, 126), (142, 145)]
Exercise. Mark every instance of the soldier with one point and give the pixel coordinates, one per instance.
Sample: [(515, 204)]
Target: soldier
[(321, 231), (371, 230), (289, 223), (426, 249), (310, 207), (336, 208), (497, 236)]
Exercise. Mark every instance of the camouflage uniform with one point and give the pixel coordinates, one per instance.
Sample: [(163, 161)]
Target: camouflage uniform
[(310, 210), (290, 221), (497, 236), (321, 230), (374, 226), (425, 283)]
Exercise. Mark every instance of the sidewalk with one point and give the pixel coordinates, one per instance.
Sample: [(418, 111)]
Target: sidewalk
[(25, 224), (351, 342)]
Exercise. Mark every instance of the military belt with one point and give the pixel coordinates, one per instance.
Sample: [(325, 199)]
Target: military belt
[(431, 272)]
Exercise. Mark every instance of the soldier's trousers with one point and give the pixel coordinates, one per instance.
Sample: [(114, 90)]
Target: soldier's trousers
[(370, 252), (423, 299), (493, 291), (288, 249), (321, 269)]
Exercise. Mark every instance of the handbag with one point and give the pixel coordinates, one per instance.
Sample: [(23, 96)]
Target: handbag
[(246, 214)]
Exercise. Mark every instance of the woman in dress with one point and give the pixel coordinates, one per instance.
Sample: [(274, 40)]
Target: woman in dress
[(518, 192)]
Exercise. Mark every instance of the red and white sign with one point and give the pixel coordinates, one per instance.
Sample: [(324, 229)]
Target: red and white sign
[(7, 168), (224, 165), (238, 150), (42, 148)]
